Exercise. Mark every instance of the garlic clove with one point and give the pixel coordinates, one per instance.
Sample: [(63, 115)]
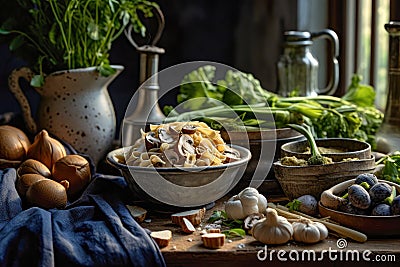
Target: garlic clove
[(47, 194), (46, 149)]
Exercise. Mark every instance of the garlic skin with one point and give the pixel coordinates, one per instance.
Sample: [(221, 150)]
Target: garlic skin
[(272, 230), (46, 149), (309, 232), (247, 202)]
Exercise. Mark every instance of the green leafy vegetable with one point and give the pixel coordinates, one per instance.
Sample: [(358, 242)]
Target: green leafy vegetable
[(352, 116), (362, 95), (391, 170)]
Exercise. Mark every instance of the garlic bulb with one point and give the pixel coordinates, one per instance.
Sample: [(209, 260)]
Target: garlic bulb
[(307, 231), (247, 202), (273, 229), (46, 149)]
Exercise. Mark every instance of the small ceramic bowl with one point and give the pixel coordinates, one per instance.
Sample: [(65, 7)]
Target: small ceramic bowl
[(181, 187), (372, 226)]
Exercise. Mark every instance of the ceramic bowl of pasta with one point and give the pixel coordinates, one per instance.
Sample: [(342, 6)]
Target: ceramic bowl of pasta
[(183, 164)]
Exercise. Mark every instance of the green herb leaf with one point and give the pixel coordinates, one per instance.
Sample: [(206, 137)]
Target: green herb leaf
[(3, 31), (294, 205), (37, 81), (52, 34), (217, 215), (16, 43), (235, 233), (106, 70)]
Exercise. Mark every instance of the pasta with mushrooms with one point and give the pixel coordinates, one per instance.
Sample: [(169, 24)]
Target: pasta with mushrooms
[(180, 144)]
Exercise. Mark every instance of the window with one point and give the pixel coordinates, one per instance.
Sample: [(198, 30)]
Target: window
[(364, 42)]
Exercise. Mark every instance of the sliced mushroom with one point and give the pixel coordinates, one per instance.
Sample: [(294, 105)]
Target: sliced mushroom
[(151, 141), (189, 129), (171, 157), (185, 145), (164, 136), (231, 155), (251, 220), (172, 131)]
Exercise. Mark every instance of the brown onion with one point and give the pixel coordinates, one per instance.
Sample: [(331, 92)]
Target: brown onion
[(25, 181), (46, 149), (75, 169), (14, 143), (47, 194), (32, 166)]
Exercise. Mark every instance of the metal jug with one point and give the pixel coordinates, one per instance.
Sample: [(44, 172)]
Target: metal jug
[(298, 68)]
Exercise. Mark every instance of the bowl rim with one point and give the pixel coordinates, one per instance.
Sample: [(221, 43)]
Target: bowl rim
[(357, 215), (350, 182), (244, 153), (279, 164), (368, 146)]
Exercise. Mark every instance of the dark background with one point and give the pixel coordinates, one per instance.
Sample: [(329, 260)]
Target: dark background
[(246, 35)]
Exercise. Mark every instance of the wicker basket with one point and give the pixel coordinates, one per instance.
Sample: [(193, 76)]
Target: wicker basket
[(313, 180)]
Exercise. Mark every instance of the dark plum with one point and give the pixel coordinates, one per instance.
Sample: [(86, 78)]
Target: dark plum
[(369, 178), (379, 192), (359, 197), (381, 210), (396, 206)]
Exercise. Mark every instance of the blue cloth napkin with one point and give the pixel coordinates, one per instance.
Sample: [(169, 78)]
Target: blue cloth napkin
[(95, 230)]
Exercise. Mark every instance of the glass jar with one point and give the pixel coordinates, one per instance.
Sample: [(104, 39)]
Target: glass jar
[(298, 68)]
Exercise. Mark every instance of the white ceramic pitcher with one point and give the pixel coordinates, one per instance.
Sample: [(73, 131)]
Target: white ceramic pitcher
[(74, 106)]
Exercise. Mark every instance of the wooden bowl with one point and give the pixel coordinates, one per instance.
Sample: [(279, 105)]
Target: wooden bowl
[(372, 226)]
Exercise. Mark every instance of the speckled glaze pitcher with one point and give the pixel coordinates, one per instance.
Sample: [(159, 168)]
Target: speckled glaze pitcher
[(74, 106)]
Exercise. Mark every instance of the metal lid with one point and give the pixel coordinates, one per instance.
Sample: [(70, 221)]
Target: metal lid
[(297, 38), (393, 27)]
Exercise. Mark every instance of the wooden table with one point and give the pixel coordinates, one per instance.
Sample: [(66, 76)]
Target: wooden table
[(187, 250)]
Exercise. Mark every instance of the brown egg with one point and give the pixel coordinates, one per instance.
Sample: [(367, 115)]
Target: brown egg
[(75, 169), (25, 181), (47, 194)]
